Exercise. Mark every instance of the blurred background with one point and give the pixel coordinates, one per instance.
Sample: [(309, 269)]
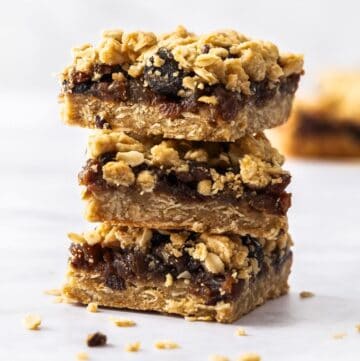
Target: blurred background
[(40, 157)]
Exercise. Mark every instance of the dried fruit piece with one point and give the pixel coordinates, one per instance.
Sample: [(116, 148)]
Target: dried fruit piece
[(96, 339), (166, 79)]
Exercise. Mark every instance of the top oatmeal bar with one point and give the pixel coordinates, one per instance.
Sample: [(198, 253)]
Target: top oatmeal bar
[(213, 87)]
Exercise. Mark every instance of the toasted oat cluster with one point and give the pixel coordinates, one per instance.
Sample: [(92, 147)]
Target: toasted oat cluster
[(250, 161), (183, 61)]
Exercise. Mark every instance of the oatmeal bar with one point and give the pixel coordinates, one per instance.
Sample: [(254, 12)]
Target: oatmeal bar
[(213, 87), (328, 125), (201, 275), (177, 184)]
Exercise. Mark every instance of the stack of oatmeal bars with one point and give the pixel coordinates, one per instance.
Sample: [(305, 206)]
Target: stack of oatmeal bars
[(189, 193)]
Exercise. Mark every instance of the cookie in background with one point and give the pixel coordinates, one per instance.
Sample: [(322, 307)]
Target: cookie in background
[(326, 125)]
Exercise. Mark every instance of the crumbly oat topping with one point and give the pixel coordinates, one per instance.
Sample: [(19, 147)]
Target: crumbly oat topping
[(306, 294), (133, 347), (222, 57), (241, 332), (122, 322), (250, 356), (166, 345), (82, 356), (32, 322), (92, 307), (250, 161)]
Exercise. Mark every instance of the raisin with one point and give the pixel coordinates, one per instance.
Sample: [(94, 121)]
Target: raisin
[(101, 123), (96, 339), (167, 79), (113, 281), (255, 249)]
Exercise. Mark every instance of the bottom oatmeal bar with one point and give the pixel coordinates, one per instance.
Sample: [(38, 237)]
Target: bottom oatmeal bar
[(199, 275)]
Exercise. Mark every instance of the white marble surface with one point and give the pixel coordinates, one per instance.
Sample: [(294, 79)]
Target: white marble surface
[(40, 203)]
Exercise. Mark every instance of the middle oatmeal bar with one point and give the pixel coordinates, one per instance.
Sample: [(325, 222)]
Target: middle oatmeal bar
[(176, 184), (211, 87)]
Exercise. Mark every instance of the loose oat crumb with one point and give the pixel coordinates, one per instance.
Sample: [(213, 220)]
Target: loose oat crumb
[(122, 322), (32, 321), (241, 332), (218, 358), (198, 318), (250, 356), (96, 339), (133, 347), (92, 307), (82, 356), (306, 294), (357, 327), (53, 292), (166, 345), (58, 299), (169, 280), (339, 336)]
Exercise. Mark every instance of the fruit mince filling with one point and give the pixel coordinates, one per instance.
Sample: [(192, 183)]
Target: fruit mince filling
[(161, 86), (183, 185), (312, 124), (119, 267)]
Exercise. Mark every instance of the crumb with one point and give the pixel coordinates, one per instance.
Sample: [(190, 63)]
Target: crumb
[(218, 358), (250, 356), (96, 339), (339, 336), (169, 281), (306, 294), (92, 307), (32, 321), (58, 299), (241, 332), (357, 327), (198, 318), (53, 292), (133, 347), (166, 345), (82, 356), (122, 322)]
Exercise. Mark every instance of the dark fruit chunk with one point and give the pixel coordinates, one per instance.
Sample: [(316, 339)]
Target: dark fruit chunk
[(101, 123), (167, 79), (96, 339), (255, 249)]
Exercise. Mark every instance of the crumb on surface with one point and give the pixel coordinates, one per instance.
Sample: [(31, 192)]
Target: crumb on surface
[(166, 345), (241, 332), (96, 339), (92, 307), (306, 294), (53, 292), (82, 356), (357, 327), (197, 318), (250, 356), (339, 335), (133, 347), (122, 322), (32, 321), (218, 358)]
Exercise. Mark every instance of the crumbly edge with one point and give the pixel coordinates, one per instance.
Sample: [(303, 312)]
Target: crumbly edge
[(217, 253), (222, 57), (258, 162)]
